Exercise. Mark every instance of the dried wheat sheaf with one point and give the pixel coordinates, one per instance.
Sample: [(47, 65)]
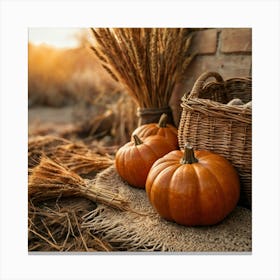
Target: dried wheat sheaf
[(148, 61), (50, 179)]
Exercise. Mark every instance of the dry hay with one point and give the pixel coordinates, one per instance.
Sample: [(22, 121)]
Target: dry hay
[(115, 125), (64, 130), (58, 196), (81, 163), (55, 225), (45, 143), (111, 126), (97, 127), (125, 121), (77, 157)]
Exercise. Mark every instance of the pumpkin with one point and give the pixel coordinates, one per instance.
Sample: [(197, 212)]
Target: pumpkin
[(134, 160), (168, 131), (193, 188)]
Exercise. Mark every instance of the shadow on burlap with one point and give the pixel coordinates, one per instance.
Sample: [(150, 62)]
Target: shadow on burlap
[(142, 229)]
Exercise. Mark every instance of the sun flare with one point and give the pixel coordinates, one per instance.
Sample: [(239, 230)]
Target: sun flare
[(56, 37)]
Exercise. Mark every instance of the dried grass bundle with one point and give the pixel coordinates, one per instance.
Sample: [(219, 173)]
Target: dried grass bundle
[(64, 130), (83, 162), (46, 144), (148, 61), (125, 119), (102, 149), (76, 157), (50, 179), (99, 126)]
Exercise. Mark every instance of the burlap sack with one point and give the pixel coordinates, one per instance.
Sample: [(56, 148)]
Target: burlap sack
[(142, 229)]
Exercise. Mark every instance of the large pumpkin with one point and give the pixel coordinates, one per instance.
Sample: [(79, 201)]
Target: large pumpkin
[(193, 188), (134, 159), (161, 128)]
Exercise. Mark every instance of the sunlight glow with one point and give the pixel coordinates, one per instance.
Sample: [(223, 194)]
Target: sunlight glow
[(56, 37)]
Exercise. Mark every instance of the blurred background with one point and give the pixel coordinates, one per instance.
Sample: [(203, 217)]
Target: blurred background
[(71, 95), (62, 69)]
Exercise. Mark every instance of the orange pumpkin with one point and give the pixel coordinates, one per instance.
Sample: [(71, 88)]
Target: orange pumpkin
[(193, 188), (161, 128), (134, 160)]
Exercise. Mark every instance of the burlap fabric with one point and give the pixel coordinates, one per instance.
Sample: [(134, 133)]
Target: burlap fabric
[(142, 229)]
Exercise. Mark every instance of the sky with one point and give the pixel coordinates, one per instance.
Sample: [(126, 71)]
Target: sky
[(57, 37)]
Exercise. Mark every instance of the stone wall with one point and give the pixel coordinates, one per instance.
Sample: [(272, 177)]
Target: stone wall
[(227, 51)]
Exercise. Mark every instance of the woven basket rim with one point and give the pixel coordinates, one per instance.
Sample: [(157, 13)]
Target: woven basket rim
[(216, 109), (217, 106), (210, 107), (202, 83)]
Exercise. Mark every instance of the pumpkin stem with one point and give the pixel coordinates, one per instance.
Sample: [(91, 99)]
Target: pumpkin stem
[(163, 120), (137, 140), (188, 157)]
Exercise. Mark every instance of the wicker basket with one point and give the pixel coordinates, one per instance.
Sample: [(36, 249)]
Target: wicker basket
[(208, 122)]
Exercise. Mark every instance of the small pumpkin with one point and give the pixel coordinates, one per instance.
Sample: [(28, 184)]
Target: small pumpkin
[(168, 131), (193, 188), (134, 160)]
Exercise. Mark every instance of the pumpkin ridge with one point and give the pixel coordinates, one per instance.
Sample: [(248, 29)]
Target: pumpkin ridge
[(154, 153), (161, 131), (156, 164), (157, 173), (199, 207), (203, 155), (164, 170), (145, 132), (122, 157), (119, 164), (168, 134), (132, 175), (171, 182), (152, 197), (205, 165), (130, 178), (222, 192), (139, 155), (166, 158)]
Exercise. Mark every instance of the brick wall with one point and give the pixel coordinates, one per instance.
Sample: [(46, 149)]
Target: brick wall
[(227, 51)]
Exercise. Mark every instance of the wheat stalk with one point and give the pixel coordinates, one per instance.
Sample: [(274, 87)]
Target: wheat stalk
[(148, 61), (50, 179)]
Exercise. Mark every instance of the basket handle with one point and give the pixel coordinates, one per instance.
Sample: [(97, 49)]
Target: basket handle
[(201, 80)]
